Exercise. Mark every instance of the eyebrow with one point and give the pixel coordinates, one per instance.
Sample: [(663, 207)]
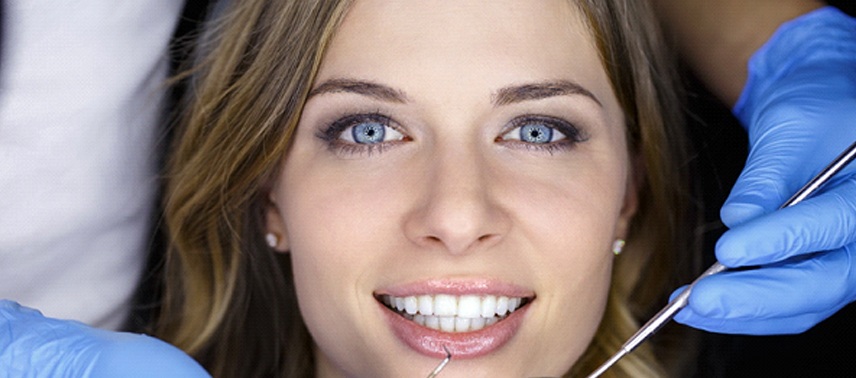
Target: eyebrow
[(537, 91), (504, 96), (365, 88)]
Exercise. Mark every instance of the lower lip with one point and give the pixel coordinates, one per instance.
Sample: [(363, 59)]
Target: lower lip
[(463, 345)]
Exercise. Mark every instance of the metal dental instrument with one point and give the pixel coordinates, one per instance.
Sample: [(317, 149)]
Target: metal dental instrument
[(442, 363), (668, 312)]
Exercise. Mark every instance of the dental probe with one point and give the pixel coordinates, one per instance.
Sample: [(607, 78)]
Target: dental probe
[(442, 363), (668, 312)]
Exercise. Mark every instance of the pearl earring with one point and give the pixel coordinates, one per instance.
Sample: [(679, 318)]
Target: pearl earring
[(618, 246), (272, 239)]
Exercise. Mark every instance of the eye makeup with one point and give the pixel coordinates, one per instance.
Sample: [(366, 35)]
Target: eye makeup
[(346, 135), (538, 133)]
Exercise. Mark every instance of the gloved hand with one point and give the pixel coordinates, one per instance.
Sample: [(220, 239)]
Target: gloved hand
[(799, 108), (32, 345)]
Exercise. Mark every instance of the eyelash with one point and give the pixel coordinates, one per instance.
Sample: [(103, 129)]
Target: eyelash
[(332, 133)]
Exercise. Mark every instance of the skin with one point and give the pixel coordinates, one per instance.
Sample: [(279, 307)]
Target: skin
[(451, 198), (717, 37)]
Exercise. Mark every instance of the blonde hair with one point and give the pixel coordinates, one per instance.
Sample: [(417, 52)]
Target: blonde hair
[(227, 296)]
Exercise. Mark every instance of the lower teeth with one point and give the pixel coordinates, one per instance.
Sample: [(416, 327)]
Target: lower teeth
[(452, 323)]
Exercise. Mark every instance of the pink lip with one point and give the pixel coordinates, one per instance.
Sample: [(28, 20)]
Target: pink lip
[(457, 287), (464, 345)]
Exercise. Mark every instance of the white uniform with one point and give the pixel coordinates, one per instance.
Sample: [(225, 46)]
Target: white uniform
[(81, 101)]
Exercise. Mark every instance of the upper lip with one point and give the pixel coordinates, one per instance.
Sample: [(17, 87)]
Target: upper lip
[(457, 286)]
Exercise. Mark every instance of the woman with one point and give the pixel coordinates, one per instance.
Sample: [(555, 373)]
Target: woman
[(416, 178)]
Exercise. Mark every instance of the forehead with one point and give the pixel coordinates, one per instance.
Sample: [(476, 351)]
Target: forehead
[(458, 43)]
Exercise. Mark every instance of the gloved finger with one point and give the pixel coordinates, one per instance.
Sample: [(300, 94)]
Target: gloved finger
[(821, 223), (767, 179), (32, 345), (775, 325), (779, 165), (11, 310), (770, 326), (788, 297)]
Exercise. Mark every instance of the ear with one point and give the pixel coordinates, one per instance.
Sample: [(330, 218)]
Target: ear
[(635, 179), (275, 224)]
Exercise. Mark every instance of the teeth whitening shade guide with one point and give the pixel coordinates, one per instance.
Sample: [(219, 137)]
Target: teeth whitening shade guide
[(671, 309)]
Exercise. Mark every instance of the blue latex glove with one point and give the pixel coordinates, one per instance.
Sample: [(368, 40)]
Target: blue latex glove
[(32, 345), (799, 108)]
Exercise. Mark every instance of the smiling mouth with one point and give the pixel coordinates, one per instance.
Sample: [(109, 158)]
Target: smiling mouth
[(454, 313)]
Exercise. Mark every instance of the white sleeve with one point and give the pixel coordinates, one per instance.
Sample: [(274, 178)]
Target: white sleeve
[(81, 101)]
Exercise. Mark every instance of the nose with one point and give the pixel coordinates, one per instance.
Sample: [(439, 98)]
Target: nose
[(457, 209)]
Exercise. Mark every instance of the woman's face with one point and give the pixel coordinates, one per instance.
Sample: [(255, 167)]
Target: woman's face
[(457, 179)]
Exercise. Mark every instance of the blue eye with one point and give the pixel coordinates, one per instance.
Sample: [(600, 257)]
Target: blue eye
[(369, 132), (538, 133), (539, 130), (361, 133)]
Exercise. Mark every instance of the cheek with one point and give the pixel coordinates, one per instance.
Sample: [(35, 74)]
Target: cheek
[(335, 249), (321, 271), (571, 222), (324, 231)]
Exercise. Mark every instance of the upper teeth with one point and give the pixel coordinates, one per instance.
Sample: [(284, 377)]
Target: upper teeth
[(461, 313)]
